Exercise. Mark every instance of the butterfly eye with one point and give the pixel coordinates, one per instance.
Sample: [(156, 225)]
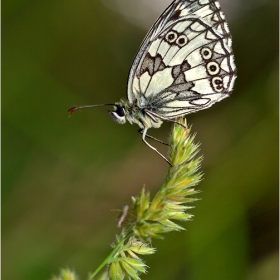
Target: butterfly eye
[(182, 40), (120, 111), (118, 114), (171, 36), (213, 68), (206, 53)]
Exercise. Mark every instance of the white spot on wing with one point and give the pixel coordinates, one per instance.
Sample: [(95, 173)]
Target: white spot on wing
[(198, 72), (154, 47), (160, 81), (181, 26), (217, 4), (225, 81), (201, 101), (224, 64), (164, 47), (210, 35), (202, 86), (196, 26), (144, 80), (204, 11), (227, 44), (194, 58), (185, 12), (135, 85), (226, 28), (232, 62), (222, 16), (219, 49), (170, 54), (231, 83), (203, 2), (219, 29), (216, 18), (175, 104)]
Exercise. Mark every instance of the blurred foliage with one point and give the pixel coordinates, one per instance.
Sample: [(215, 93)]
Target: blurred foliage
[(62, 176)]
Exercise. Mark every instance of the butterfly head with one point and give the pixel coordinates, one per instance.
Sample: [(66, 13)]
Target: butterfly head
[(126, 111), (118, 114)]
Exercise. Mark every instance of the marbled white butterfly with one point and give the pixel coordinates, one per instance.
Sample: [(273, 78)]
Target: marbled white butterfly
[(184, 64)]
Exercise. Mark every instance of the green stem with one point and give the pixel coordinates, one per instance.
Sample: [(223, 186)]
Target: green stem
[(109, 259)]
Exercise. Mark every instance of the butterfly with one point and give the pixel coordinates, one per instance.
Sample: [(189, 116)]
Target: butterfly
[(185, 64)]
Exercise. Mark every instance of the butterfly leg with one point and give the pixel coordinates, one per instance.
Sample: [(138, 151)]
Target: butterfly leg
[(151, 137), (153, 148)]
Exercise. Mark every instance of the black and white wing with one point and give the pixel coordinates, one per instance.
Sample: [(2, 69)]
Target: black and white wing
[(186, 62)]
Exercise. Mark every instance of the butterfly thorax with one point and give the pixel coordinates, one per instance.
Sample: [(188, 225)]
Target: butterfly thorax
[(140, 113)]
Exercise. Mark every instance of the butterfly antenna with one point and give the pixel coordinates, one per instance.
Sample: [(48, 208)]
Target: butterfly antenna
[(74, 109)]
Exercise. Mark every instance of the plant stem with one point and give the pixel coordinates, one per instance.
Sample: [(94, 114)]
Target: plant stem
[(110, 258)]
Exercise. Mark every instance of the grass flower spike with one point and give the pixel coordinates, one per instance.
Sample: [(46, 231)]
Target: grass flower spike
[(154, 217)]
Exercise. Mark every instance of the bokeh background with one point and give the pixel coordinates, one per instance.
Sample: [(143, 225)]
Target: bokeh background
[(62, 176)]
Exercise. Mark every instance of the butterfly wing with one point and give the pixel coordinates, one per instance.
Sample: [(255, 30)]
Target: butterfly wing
[(185, 63)]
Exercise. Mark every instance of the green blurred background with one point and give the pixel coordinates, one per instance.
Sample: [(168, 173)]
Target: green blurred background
[(62, 176)]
